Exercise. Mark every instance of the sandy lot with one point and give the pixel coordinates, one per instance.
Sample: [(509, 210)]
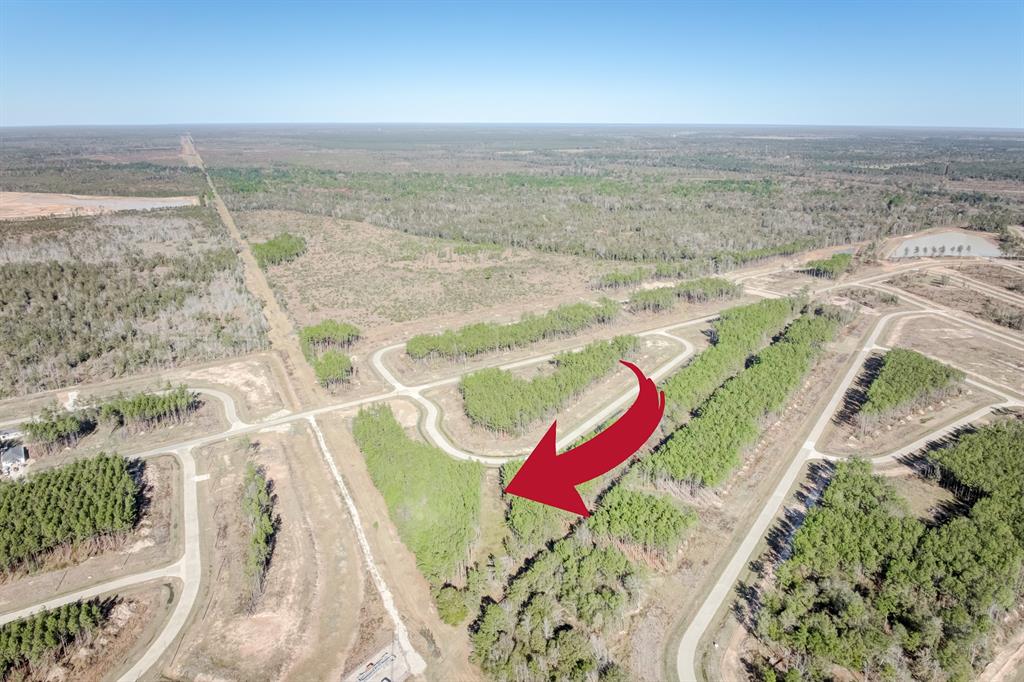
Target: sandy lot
[(21, 205)]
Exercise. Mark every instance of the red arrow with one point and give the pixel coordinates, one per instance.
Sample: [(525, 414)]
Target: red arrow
[(552, 479)]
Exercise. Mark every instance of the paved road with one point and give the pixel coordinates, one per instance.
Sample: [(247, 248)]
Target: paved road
[(188, 568), (411, 659), (686, 654)]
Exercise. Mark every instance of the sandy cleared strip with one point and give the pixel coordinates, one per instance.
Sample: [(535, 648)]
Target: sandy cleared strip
[(21, 205)]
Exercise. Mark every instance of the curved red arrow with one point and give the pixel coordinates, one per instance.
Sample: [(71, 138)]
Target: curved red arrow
[(552, 479)]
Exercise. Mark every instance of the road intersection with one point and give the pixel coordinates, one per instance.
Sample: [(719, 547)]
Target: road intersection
[(188, 568)]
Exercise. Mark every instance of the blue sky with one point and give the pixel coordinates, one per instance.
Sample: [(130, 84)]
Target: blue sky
[(867, 63)]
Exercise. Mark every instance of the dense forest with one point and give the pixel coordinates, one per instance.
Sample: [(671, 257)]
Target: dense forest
[(907, 378), (87, 299), (872, 589), (280, 248), (541, 628), (707, 449), (433, 500), (258, 515), (487, 336), (693, 291), (66, 505), (499, 400), (653, 522), (712, 199), (47, 633)]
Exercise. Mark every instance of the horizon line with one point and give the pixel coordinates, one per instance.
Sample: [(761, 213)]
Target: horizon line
[(553, 124)]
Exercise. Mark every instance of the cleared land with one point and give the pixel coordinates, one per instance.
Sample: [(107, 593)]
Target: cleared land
[(25, 205), (403, 238)]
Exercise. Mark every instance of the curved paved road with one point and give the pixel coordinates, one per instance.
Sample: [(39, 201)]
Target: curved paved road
[(188, 568), (686, 654)]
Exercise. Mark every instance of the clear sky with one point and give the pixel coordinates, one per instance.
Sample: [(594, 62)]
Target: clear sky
[(850, 63)]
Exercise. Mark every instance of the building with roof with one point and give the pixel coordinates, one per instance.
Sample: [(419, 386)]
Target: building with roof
[(12, 459)]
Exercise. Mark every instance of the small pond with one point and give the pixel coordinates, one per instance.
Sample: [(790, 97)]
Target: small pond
[(945, 244)]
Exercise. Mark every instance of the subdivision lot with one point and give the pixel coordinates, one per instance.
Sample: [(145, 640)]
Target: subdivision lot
[(846, 435), (961, 346), (155, 541), (653, 352), (960, 295), (302, 625)]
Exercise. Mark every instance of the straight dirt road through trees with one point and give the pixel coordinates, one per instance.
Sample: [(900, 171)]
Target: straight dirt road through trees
[(282, 335)]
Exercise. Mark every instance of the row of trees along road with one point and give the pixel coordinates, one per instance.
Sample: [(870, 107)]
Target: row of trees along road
[(693, 291), (499, 400), (738, 333), (487, 336), (874, 590), (56, 428), (830, 267), (707, 449)]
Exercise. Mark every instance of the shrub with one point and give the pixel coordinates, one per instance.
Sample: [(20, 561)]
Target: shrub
[(281, 248)]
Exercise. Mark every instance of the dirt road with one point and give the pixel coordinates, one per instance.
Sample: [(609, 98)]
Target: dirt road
[(306, 390)]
